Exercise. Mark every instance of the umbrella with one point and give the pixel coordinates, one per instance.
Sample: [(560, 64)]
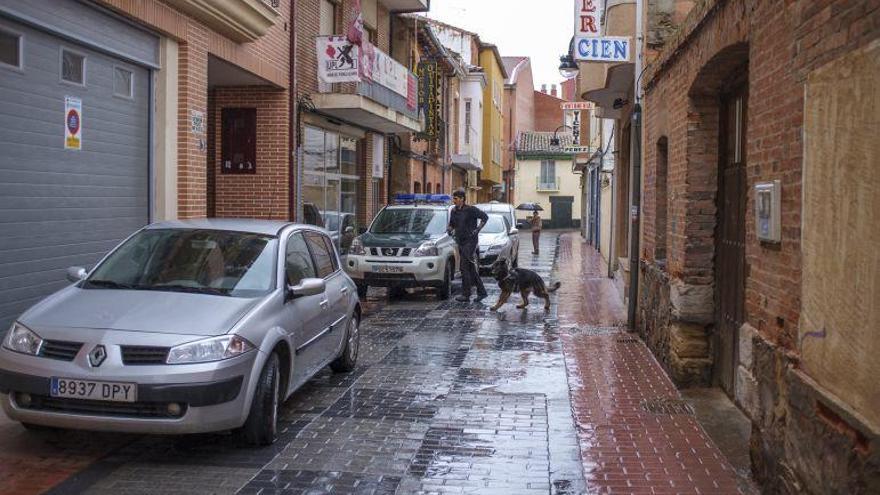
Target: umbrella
[(530, 207)]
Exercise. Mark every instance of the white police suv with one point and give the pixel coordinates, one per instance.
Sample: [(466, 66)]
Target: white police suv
[(406, 245)]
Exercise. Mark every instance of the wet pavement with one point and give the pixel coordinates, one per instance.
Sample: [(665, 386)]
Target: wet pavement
[(446, 398)]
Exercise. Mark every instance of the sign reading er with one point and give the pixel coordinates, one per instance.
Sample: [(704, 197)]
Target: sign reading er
[(587, 17), (602, 49)]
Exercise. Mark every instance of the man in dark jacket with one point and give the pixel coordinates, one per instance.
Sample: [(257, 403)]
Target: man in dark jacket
[(465, 229)]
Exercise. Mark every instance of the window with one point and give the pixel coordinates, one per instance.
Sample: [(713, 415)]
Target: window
[(123, 81), (73, 67), (332, 250), (348, 155), (323, 258), (297, 261), (548, 172), (10, 49), (238, 149), (467, 122), (328, 18)]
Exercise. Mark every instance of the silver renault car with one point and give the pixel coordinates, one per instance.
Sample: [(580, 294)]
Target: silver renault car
[(185, 327)]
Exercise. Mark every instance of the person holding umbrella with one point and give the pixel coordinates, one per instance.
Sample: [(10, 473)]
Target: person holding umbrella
[(535, 222)]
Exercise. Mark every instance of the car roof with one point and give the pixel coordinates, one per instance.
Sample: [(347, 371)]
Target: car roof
[(267, 227)]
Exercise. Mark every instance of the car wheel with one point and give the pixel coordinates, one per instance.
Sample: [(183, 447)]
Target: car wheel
[(445, 291), (348, 359), (261, 426), (362, 290)]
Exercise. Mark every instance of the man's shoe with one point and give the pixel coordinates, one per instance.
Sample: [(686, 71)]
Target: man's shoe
[(480, 297), (463, 298)]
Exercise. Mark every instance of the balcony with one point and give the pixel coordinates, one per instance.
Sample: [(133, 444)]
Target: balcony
[(371, 105), (468, 157), (405, 5), (542, 184), (239, 20)]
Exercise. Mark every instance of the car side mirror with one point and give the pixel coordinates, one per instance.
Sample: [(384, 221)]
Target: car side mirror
[(514, 231), (76, 274), (306, 287)]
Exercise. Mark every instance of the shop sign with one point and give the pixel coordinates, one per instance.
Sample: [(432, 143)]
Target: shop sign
[(429, 102), (576, 149), (72, 123), (378, 156), (337, 59), (577, 105), (602, 49), (588, 18), (389, 73), (576, 127)]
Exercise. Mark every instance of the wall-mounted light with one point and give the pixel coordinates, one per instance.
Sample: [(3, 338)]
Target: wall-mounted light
[(568, 68)]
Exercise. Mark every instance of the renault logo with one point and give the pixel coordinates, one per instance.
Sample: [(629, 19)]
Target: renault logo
[(97, 356)]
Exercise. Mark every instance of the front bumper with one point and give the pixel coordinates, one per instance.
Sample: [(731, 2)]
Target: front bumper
[(209, 396), (408, 272)]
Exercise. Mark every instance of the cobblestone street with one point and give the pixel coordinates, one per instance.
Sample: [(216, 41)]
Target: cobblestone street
[(446, 398)]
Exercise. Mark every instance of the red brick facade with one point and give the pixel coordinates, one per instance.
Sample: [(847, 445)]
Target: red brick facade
[(548, 112), (775, 45)]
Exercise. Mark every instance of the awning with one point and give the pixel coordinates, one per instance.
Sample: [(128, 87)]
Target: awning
[(362, 111), (618, 84)]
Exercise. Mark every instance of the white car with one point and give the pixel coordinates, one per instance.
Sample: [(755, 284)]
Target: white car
[(508, 212), (497, 242), (405, 246)]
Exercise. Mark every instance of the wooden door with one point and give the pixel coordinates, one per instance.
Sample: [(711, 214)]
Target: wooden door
[(730, 235)]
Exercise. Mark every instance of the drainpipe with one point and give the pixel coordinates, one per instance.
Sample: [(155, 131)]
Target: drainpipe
[(293, 182), (636, 147)]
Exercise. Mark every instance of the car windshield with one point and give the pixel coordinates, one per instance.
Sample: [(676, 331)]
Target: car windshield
[(410, 221), (331, 221), (495, 225), (223, 263)]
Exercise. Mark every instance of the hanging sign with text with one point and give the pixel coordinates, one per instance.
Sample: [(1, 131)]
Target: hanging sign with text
[(602, 49), (337, 59), (588, 18), (72, 123)]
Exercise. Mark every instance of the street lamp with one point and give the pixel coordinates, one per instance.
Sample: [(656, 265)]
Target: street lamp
[(554, 141), (568, 68)]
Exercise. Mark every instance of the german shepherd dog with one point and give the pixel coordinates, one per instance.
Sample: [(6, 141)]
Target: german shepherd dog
[(520, 280)]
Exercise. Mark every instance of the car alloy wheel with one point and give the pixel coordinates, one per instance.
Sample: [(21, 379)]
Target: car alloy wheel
[(347, 361)]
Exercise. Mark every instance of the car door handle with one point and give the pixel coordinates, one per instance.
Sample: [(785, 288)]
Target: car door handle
[(325, 303), (344, 290)]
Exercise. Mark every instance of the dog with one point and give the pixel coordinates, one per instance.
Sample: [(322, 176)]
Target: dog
[(520, 280)]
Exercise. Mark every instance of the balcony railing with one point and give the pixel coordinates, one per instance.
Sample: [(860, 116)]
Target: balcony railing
[(387, 97), (544, 186)]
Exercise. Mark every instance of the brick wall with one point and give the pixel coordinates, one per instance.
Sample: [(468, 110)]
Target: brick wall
[(548, 112), (264, 194), (777, 43)]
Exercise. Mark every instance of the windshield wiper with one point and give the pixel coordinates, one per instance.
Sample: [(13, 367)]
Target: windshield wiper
[(109, 284), (192, 290)]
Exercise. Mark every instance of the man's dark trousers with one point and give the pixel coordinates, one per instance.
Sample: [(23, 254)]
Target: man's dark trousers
[(470, 274)]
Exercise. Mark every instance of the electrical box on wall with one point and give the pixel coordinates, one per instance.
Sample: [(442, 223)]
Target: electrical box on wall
[(768, 206)]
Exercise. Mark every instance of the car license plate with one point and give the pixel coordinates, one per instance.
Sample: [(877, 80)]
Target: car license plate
[(87, 389), (388, 269)]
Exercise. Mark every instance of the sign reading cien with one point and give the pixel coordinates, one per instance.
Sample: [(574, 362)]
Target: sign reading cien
[(602, 49), (588, 17)]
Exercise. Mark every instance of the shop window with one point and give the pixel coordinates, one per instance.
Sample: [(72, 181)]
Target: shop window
[(238, 149), (123, 82), (10, 49), (73, 67), (348, 156)]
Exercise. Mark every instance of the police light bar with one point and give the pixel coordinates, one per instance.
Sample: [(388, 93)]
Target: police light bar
[(410, 199)]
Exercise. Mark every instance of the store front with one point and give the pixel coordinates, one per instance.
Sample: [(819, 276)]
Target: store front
[(330, 172)]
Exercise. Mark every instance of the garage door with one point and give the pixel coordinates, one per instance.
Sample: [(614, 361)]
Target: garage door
[(65, 207)]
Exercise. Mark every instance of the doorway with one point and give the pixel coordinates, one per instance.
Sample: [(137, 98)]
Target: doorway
[(730, 234), (560, 212)]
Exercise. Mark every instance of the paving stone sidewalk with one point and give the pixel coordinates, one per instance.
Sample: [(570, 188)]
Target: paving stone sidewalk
[(636, 434)]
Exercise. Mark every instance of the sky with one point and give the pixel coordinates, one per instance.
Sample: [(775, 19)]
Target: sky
[(540, 30)]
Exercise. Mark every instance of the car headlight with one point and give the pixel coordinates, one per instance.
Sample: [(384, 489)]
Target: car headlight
[(428, 248), (206, 350), (495, 248), (357, 247), (20, 338)]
